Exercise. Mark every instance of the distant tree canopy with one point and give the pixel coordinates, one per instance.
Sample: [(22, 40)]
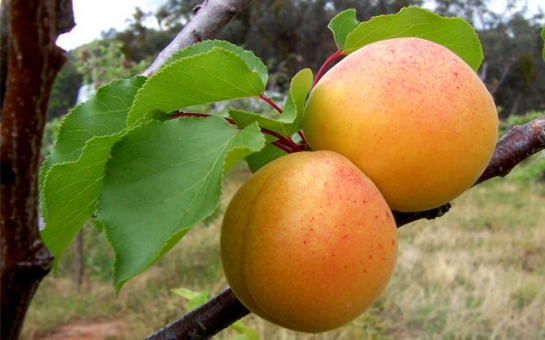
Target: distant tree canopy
[(289, 35)]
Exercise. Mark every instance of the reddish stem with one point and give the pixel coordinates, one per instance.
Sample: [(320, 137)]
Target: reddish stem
[(288, 142), (271, 103), (283, 147), (326, 64)]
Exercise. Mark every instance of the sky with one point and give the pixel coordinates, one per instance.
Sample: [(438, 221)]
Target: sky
[(95, 16)]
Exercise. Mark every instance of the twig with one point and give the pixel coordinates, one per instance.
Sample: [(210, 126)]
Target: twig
[(209, 19), (516, 145), (205, 321)]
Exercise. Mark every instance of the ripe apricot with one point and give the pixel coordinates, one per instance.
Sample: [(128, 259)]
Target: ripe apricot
[(411, 114), (308, 242)]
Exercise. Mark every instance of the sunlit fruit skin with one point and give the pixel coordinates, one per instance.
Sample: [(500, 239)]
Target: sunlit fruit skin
[(308, 242), (411, 114)]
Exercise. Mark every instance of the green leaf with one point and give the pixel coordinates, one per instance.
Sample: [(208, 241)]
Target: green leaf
[(71, 177), (341, 25), (454, 33), (163, 178), (285, 124), (273, 122), (253, 62), (70, 192), (215, 75), (268, 154), (289, 121), (246, 332), (102, 115), (195, 298), (295, 103)]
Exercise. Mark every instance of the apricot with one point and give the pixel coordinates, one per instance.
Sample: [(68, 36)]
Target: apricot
[(411, 114), (308, 242)]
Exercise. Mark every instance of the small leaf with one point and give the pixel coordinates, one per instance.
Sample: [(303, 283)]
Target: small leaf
[(295, 103), (244, 118), (216, 75), (268, 154), (454, 33), (195, 298), (163, 178), (286, 124), (289, 121), (341, 25), (246, 332)]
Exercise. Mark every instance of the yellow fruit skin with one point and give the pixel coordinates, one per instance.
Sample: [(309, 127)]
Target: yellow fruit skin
[(308, 242), (411, 114)]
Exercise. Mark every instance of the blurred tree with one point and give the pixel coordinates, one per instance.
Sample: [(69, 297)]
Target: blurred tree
[(140, 43), (94, 62), (523, 85), (513, 69)]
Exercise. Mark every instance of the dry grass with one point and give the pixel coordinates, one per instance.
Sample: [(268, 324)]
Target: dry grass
[(476, 273)]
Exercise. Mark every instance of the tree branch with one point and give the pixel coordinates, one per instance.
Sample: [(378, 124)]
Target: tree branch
[(516, 145), (209, 18), (32, 65), (209, 319)]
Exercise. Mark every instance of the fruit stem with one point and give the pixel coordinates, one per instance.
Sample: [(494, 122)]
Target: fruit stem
[(287, 144), (326, 64), (270, 102)]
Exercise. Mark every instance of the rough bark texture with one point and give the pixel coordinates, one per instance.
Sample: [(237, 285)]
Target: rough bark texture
[(516, 145), (205, 321), (209, 19), (33, 62)]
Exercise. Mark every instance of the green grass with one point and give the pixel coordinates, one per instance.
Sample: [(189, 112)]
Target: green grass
[(476, 273)]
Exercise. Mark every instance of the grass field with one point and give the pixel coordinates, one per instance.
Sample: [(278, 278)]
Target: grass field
[(476, 273)]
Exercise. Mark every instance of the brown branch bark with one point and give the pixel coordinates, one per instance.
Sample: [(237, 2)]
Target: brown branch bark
[(32, 65), (516, 145), (205, 321), (209, 18)]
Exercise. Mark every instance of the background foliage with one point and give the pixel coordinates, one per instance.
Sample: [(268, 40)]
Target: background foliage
[(289, 35)]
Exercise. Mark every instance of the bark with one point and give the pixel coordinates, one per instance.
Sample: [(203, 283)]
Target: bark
[(515, 146), (205, 321), (33, 62), (209, 18)]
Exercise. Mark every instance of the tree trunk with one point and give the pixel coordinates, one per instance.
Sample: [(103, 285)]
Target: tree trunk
[(33, 62)]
